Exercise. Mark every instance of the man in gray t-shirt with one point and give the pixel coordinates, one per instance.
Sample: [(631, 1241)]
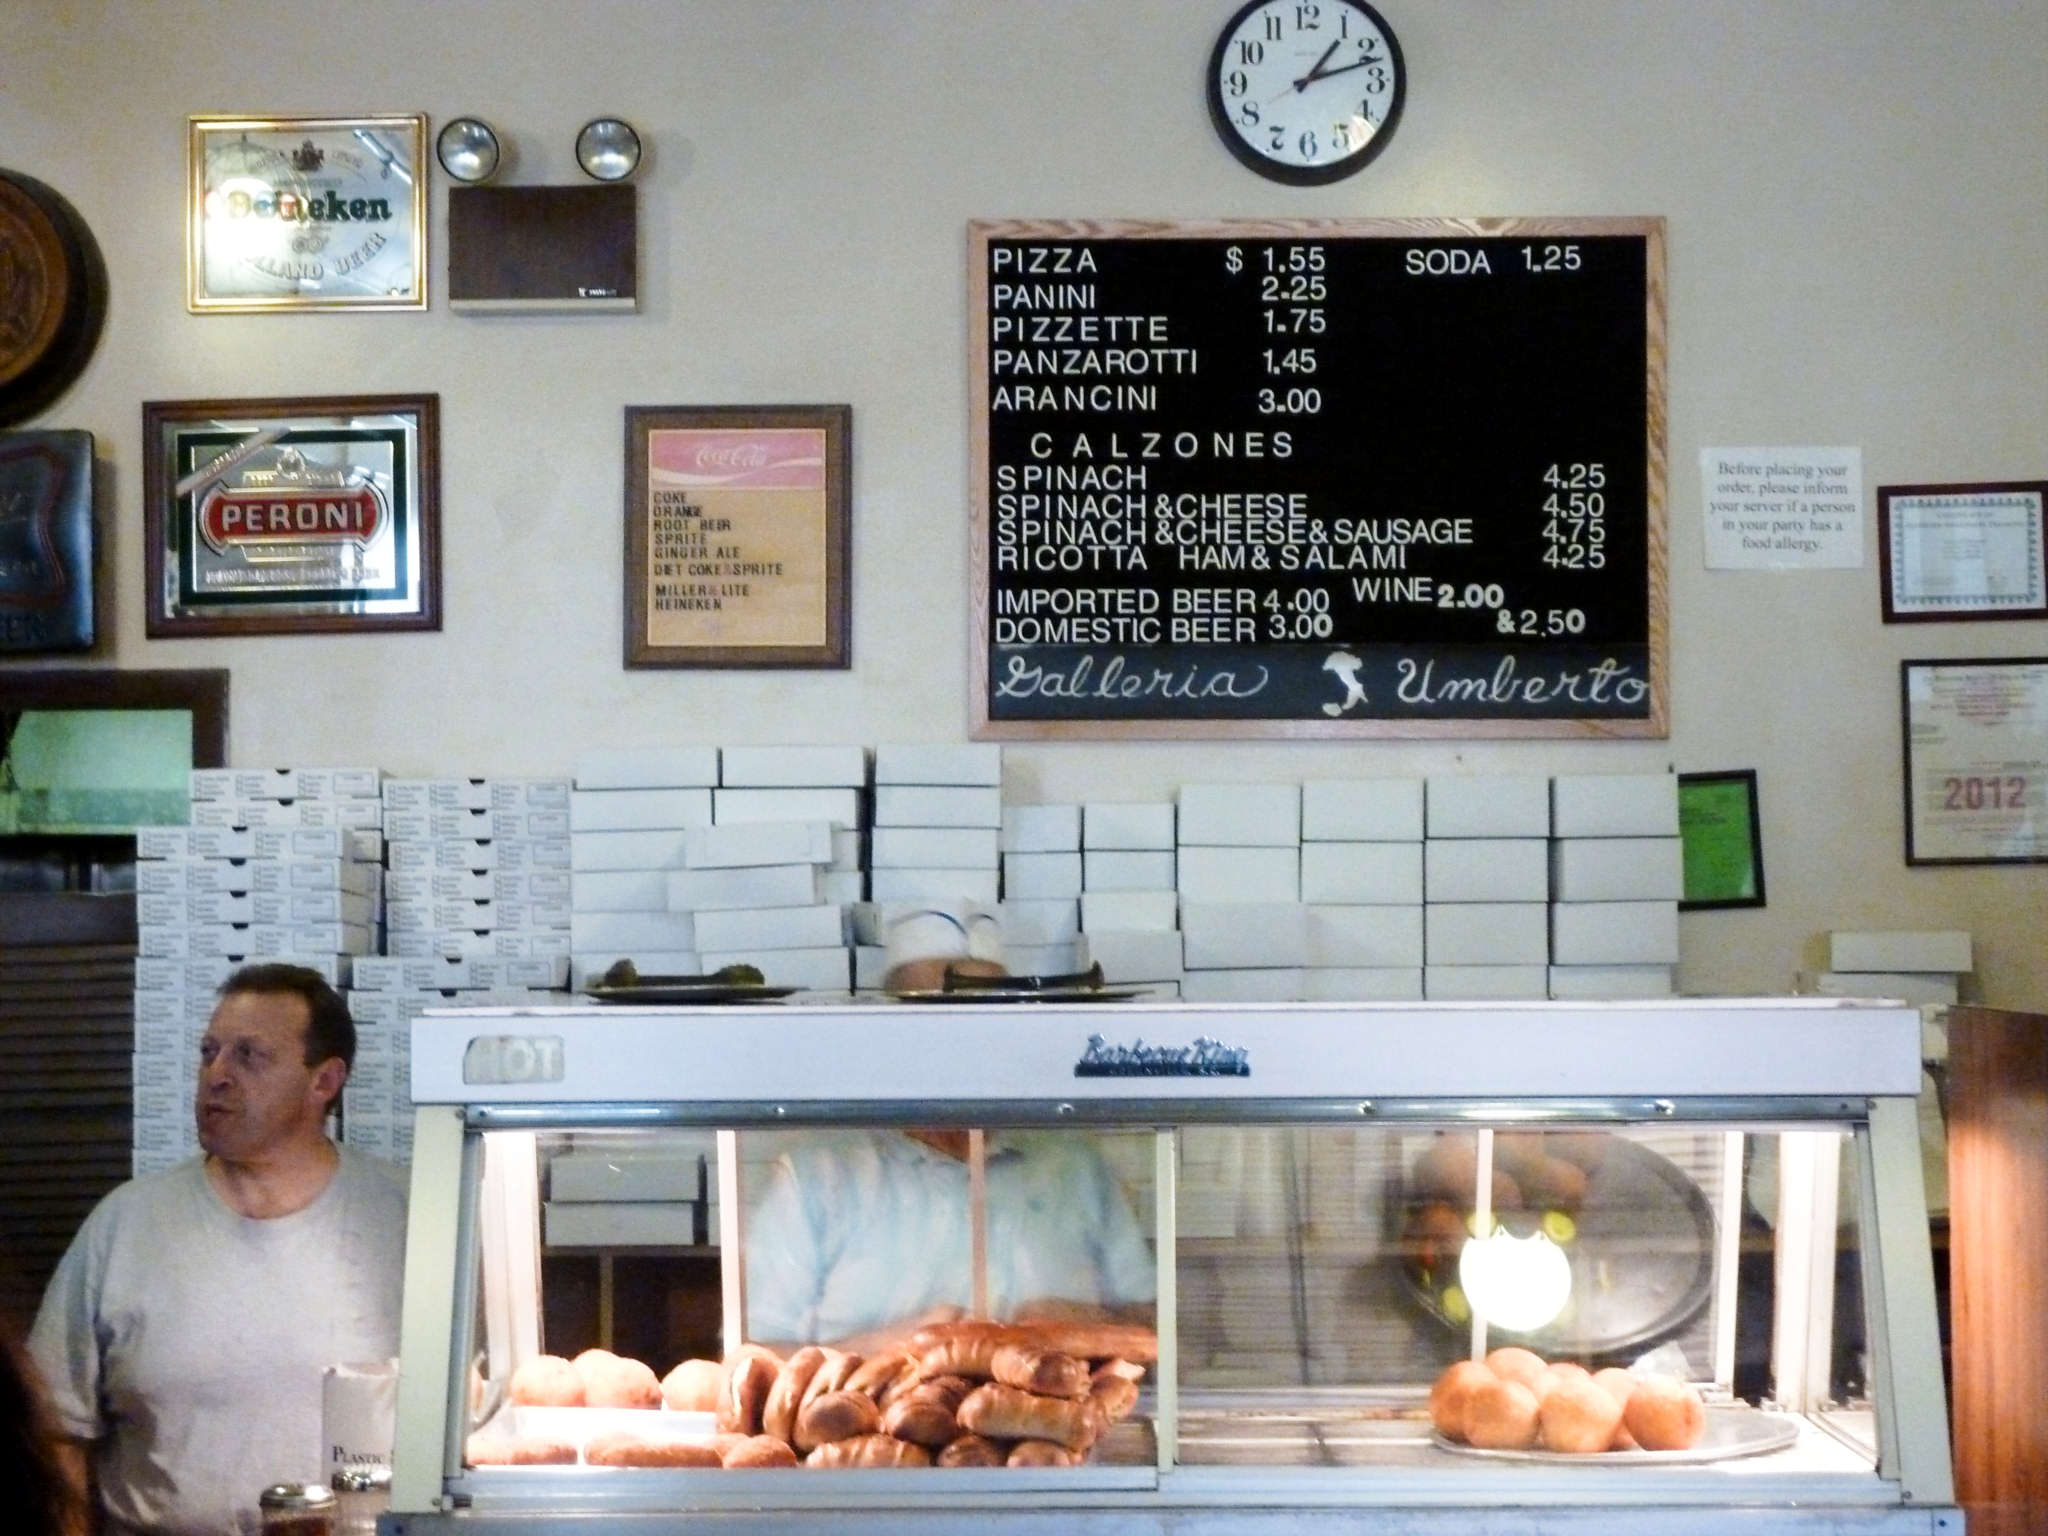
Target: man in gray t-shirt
[(184, 1333)]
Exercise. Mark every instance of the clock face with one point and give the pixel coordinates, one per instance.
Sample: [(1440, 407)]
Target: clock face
[(1306, 91)]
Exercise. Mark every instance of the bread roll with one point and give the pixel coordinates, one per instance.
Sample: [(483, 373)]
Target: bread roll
[(926, 1414), (971, 1451), (832, 1375), (1555, 1374), (835, 1416), (1094, 1341), (1511, 1363), (694, 1386), (1616, 1383), (1448, 1397), (876, 1373), (615, 1381), (746, 1390), (518, 1451), (778, 1410), (1552, 1183), (759, 1451), (1576, 1416), (1043, 1371), (620, 1448), (1501, 1416), (1113, 1396), (869, 1451), (1042, 1453), (546, 1381), (1129, 1370), (1665, 1414), (970, 1354), (1004, 1413)]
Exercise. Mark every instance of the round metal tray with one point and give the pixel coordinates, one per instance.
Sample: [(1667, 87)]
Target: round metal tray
[(1732, 1430)]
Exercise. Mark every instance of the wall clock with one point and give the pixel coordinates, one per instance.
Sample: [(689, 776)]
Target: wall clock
[(1306, 91)]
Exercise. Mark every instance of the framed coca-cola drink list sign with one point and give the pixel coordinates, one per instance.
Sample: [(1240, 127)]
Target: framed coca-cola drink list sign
[(307, 515), (737, 535)]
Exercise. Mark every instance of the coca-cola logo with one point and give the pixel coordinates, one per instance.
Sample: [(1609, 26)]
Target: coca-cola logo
[(731, 456), (353, 514)]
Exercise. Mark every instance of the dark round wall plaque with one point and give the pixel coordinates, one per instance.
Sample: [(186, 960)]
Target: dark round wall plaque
[(53, 292)]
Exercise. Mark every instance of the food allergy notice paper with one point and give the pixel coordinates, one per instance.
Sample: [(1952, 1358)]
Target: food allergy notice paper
[(1776, 509)]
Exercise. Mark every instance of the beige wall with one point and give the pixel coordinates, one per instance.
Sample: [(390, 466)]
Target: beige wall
[(1858, 213)]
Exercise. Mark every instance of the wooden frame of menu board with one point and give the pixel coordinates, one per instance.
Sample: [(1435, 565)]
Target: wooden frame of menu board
[(1302, 478)]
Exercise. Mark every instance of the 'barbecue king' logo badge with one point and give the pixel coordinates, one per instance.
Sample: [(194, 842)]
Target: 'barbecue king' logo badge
[(289, 510)]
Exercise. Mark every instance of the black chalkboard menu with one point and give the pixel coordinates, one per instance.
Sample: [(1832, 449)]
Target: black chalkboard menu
[(1318, 478)]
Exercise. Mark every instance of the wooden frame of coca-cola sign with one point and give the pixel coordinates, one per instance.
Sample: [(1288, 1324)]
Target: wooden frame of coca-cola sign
[(307, 515)]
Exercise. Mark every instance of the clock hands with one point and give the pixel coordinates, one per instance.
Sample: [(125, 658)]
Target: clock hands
[(1319, 73), (1315, 70)]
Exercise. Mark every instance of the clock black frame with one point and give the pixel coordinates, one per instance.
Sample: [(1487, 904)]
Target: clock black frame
[(1304, 175)]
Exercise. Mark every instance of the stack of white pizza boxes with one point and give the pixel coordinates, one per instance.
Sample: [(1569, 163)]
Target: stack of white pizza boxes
[(630, 811), (771, 881), (1244, 930), (1486, 887), (1617, 871), (275, 864), (1922, 967), (1130, 907), (1361, 883), (476, 911), (941, 844), (1040, 847)]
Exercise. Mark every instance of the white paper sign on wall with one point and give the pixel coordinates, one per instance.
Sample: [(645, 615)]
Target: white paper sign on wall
[(1775, 509)]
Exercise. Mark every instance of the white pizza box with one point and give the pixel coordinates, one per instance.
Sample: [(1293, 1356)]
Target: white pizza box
[(1614, 933), (209, 784), (520, 973), (1041, 828), (1486, 869), (1900, 950), (1041, 876), (1379, 874), (1373, 937), (436, 794), (1126, 869), (1611, 981), (1227, 935), (885, 885), (839, 807), (1486, 933), (1277, 985), (351, 875), (1136, 954), (586, 971), (870, 967), (1489, 805), (938, 805), (820, 969), (1361, 810), (163, 843), (847, 852), (647, 768), (675, 1173), (819, 767), (761, 885), (257, 815), (160, 1008), (626, 890), (1614, 805), (1483, 983), (1239, 873), (530, 794), (817, 927), (309, 843), (393, 973), (417, 885), (406, 857), (1362, 984), (1052, 920), (608, 851), (156, 941), (175, 877), (1240, 815), (617, 1224), (1047, 959), (939, 763), (935, 848), (325, 939), (738, 844), (638, 810), (1127, 911), (224, 842), (1921, 988), (1617, 869), (844, 886), (1139, 824), (628, 931), (262, 784)]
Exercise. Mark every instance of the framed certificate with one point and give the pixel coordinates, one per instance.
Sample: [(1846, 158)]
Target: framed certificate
[(292, 516), (1976, 772), (1721, 839), (737, 536), (286, 213), (1950, 552)]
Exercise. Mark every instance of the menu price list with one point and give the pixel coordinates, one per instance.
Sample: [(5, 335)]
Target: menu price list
[(1317, 477)]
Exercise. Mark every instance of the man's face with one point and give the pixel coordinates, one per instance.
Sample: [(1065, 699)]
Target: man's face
[(255, 1091)]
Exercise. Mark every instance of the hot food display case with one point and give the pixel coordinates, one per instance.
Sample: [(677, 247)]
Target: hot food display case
[(1135, 1266)]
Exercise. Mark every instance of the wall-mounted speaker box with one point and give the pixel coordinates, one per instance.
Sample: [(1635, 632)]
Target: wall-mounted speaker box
[(543, 248)]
